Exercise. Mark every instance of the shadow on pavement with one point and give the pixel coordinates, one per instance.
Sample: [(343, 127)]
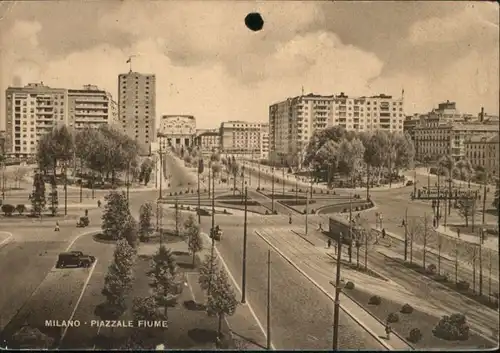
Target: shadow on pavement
[(249, 340)]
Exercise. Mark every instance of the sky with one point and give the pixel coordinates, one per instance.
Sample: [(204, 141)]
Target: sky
[(208, 64)]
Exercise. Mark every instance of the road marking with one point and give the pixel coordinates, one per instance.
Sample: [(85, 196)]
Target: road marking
[(264, 331), (367, 329), (6, 239), (79, 298), (93, 232)]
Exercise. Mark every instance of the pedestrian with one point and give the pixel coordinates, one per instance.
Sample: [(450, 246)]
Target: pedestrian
[(329, 243), (403, 223), (320, 227), (383, 233), (458, 233), (57, 227), (434, 222), (99, 203), (290, 219), (388, 330)]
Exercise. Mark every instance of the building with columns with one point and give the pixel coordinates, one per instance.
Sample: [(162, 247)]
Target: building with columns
[(176, 130)]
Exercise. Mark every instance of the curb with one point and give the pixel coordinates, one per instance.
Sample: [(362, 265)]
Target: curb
[(367, 329), (376, 318), (6, 240), (296, 233), (461, 295)]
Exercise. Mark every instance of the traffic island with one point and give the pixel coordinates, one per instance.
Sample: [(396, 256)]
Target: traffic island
[(189, 326), (414, 326)]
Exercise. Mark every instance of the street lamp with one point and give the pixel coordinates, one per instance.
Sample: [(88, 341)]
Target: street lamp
[(244, 269), (338, 289), (272, 190)]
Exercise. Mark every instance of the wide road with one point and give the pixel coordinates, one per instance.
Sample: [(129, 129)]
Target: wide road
[(302, 314)]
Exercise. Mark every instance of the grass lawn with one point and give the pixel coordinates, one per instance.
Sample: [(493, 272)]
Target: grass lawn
[(189, 325), (221, 204), (417, 319)]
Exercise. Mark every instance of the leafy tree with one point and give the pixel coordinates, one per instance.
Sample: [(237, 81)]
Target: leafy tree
[(496, 200), (195, 242), (208, 271), (30, 337), (145, 171), (19, 174), (166, 280), (234, 169), (351, 154), (319, 138), (115, 216), (376, 151), (404, 151), (466, 208), (145, 224), (38, 201), (130, 232), (54, 201), (222, 300), (118, 282), (144, 309), (465, 170), (55, 146)]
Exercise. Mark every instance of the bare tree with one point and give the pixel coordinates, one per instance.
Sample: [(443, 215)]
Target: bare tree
[(19, 174)]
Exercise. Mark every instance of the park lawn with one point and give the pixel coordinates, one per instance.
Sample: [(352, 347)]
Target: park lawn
[(189, 325), (417, 319)]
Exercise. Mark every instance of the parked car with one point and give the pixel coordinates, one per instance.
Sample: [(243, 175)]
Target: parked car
[(409, 183), (74, 258), (83, 222)]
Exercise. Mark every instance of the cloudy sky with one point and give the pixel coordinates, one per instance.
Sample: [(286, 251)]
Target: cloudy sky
[(210, 65)]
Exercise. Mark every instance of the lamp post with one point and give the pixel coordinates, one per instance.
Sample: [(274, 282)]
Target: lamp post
[(244, 269), (212, 232), (65, 189), (268, 345), (259, 176), (272, 190), (338, 289)]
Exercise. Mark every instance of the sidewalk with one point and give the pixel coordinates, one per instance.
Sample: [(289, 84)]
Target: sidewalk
[(423, 171), (491, 241)]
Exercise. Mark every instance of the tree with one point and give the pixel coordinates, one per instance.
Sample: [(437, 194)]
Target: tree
[(54, 201), (30, 337), (208, 271), (55, 146), (115, 216), (145, 171), (144, 309), (404, 151), (414, 230), (496, 198), (319, 138), (38, 201), (130, 232), (466, 208), (118, 282), (351, 154), (427, 232), (195, 242), (222, 300), (145, 224), (465, 170), (234, 169), (377, 147), (165, 278), (19, 174)]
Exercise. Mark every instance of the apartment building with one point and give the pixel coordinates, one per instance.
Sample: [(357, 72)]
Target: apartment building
[(483, 151), (208, 141), (293, 122), (137, 107), (240, 138), (91, 107), (31, 112), (264, 141), (177, 130)]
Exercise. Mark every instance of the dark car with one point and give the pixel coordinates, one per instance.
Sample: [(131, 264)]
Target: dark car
[(409, 183), (74, 258)]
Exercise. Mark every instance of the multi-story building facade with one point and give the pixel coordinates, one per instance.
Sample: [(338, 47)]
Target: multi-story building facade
[(444, 131), (31, 112), (437, 138), (293, 122), (176, 130), (208, 141), (483, 151), (91, 107), (264, 141), (240, 138), (137, 107)]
